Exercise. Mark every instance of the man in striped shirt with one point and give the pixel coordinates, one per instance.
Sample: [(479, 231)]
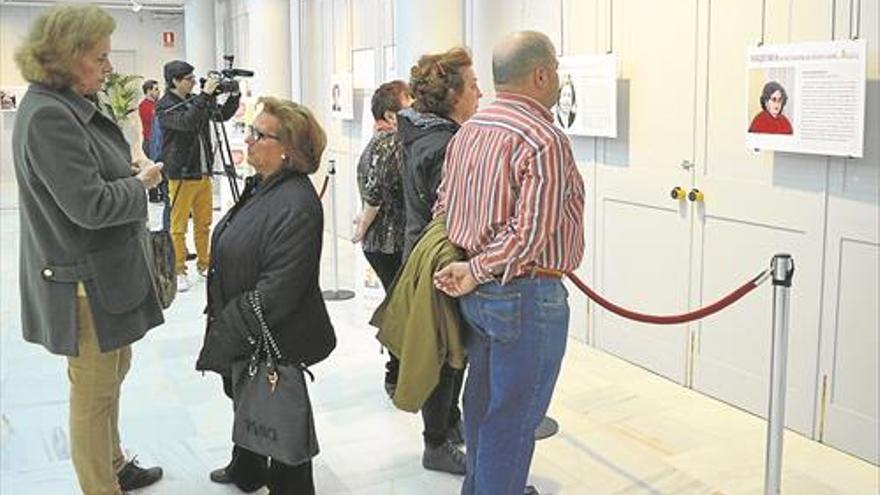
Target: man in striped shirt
[(514, 202)]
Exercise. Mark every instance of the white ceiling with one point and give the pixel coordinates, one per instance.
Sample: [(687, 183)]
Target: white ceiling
[(147, 4)]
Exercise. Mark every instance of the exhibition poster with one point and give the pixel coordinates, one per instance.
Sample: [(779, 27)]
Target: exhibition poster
[(341, 96), (363, 68), (807, 98), (587, 95)]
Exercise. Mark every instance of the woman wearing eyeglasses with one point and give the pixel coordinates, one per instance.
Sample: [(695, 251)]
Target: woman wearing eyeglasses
[(270, 242), (771, 120)]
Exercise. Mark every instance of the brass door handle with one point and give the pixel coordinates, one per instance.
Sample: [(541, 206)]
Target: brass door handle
[(696, 196), (678, 193)]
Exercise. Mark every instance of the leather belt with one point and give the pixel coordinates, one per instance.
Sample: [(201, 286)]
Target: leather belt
[(537, 271)]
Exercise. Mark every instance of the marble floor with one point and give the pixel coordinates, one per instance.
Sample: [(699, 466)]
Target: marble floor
[(623, 430)]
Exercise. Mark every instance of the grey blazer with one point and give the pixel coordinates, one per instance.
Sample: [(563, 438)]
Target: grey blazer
[(83, 219)]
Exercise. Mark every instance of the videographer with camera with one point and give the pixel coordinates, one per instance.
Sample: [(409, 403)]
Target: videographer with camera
[(188, 156)]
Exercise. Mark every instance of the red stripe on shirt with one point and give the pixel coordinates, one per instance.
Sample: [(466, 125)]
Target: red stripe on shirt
[(512, 194)]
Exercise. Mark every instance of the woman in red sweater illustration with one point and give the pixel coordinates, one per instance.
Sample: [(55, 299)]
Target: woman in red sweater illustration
[(771, 120)]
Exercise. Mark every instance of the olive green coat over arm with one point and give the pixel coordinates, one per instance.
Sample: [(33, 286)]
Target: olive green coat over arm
[(419, 324)]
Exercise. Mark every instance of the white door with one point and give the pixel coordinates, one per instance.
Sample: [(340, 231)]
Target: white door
[(757, 203), (642, 234), (848, 374)]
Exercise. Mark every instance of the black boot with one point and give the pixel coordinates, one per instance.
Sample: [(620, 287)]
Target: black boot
[(247, 470)]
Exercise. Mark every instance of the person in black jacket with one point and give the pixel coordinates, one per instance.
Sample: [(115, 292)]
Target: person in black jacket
[(446, 92), (189, 158), (270, 241)]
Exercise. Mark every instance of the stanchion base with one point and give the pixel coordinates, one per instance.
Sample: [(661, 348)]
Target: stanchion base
[(337, 295), (547, 428)]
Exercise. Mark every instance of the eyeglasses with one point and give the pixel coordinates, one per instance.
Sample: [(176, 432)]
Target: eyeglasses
[(776, 99), (256, 134)]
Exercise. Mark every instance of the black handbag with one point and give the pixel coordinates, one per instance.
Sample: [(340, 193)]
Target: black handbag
[(163, 270), (273, 414)]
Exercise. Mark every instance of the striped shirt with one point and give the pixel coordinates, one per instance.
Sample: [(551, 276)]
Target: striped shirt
[(513, 196)]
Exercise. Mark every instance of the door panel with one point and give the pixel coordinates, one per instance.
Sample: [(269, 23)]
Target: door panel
[(732, 361), (756, 204), (852, 386), (850, 319), (643, 249), (643, 268)]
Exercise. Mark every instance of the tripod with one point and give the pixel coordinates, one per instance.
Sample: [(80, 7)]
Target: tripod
[(222, 149), (225, 153)]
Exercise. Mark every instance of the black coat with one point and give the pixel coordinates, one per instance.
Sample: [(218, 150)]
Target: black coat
[(423, 140), (183, 125), (269, 241)]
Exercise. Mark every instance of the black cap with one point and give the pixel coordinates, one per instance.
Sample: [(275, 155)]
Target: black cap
[(177, 69)]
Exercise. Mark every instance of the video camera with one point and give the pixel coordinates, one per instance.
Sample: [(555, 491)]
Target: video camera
[(227, 76)]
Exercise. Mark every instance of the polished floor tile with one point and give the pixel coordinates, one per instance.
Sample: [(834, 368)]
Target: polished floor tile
[(623, 430)]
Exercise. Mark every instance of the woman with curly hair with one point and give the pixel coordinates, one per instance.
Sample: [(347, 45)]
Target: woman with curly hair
[(446, 95)]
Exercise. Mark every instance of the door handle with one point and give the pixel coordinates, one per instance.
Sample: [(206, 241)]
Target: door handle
[(678, 193), (696, 196), (686, 164)]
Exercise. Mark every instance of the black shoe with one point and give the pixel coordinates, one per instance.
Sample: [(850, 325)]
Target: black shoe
[(132, 476), (221, 476), (446, 458), (224, 476), (390, 388), (455, 434)]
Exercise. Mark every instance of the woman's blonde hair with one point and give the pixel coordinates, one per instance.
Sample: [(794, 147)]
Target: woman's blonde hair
[(57, 39), (300, 133)]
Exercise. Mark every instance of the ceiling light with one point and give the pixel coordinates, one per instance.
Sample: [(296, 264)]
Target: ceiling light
[(136, 6)]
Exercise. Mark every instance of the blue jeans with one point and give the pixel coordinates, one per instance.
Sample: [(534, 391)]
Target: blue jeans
[(515, 346)]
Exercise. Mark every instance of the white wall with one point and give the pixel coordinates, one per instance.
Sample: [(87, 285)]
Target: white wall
[(680, 81), (138, 37)]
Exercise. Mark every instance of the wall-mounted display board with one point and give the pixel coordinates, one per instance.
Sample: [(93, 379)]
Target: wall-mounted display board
[(363, 68), (807, 98), (10, 97), (587, 95), (341, 96), (388, 54)]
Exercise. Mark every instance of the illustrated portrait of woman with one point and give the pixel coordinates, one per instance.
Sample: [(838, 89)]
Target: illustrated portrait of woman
[(566, 107), (7, 101), (336, 106), (771, 120)]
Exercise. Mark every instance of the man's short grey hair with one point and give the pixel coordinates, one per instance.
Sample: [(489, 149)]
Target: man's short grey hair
[(519, 54)]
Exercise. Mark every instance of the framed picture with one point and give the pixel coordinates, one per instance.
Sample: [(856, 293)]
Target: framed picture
[(389, 54), (363, 69), (341, 96), (10, 97)]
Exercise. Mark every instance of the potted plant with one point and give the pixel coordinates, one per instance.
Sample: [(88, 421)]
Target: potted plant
[(120, 94), (119, 97)]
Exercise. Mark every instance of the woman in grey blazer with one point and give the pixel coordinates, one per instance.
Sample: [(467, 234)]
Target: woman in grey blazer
[(86, 291)]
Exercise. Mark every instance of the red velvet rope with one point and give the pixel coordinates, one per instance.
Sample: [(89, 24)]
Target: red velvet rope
[(324, 187), (671, 319)]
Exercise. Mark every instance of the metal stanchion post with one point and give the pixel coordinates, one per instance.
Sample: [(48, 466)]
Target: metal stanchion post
[(783, 272), (336, 294)]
